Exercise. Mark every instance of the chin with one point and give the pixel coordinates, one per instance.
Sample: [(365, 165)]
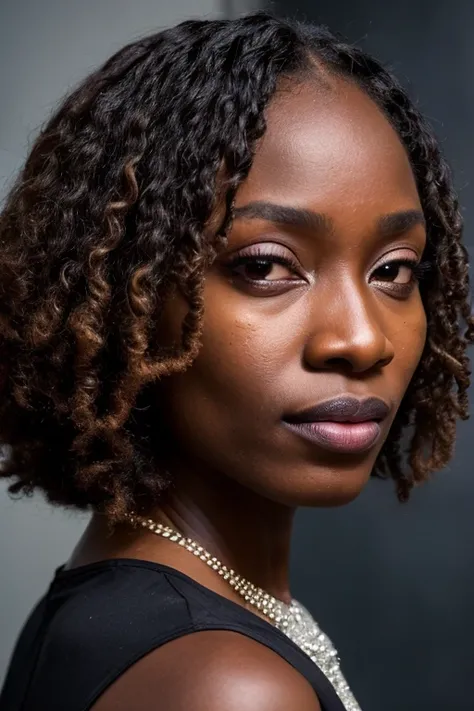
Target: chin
[(323, 488), (329, 499)]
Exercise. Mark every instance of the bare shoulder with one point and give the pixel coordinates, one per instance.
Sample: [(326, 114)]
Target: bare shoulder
[(210, 671)]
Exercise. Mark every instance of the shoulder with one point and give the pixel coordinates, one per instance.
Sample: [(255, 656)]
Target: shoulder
[(210, 671)]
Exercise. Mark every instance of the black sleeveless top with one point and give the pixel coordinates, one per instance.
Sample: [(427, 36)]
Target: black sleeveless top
[(97, 620)]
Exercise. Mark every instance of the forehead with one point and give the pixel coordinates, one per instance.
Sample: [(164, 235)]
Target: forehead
[(325, 147)]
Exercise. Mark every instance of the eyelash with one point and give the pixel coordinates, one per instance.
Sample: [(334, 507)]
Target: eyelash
[(420, 269), (243, 259)]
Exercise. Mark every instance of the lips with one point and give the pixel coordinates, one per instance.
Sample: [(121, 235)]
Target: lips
[(345, 425)]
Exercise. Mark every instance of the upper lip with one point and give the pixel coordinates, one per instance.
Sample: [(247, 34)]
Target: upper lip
[(343, 409)]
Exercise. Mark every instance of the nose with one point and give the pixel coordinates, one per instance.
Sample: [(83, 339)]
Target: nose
[(348, 334)]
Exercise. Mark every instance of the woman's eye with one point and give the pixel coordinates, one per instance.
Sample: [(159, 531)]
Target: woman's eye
[(396, 272), (263, 269), (266, 273)]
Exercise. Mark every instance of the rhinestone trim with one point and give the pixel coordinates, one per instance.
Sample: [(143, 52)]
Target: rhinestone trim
[(294, 620)]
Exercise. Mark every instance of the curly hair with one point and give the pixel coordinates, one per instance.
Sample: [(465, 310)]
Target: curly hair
[(108, 216)]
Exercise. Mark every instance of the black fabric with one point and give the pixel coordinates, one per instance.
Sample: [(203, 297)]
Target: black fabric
[(98, 620)]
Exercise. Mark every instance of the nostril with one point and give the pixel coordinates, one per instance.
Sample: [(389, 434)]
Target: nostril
[(354, 365), (338, 363)]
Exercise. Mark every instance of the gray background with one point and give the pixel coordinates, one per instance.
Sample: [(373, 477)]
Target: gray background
[(392, 584)]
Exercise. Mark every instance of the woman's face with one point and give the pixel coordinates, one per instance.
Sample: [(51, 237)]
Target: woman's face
[(313, 300)]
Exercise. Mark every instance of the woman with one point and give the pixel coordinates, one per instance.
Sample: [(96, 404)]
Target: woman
[(232, 276)]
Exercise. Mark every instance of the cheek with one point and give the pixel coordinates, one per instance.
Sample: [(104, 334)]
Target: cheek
[(239, 356), (245, 342), (233, 377), (221, 410), (409, 341)]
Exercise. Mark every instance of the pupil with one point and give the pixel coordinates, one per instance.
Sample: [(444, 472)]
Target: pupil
[(390, 270), (260, 268)]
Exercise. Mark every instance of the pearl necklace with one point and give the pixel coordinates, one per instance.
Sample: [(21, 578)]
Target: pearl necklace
[(293, 620)]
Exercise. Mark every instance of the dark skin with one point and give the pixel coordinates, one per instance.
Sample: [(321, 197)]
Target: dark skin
[(278, 339)]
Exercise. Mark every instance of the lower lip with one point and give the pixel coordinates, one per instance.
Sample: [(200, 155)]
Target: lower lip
[(346, 437)]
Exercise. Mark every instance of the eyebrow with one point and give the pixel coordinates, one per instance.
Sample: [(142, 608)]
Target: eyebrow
[(285, 215), (399, 222), (387, 225)]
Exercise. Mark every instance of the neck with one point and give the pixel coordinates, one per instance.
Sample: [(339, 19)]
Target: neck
[(241, 529)]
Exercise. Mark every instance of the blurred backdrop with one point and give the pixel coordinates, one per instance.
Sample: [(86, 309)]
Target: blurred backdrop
[(393, 585)]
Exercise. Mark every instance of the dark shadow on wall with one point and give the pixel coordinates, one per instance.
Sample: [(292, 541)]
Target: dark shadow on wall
[(394, 584)]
